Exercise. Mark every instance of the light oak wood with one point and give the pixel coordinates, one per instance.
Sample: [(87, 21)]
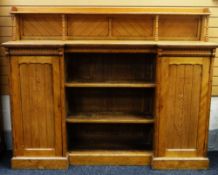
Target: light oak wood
[(111, 23), (39, 26), (83, 118), (110, 10), (15, 28), (39, 163), (182, 98), (5, 19), (132, 27), (37, 123), (98, 83), (110, 158), (108, 43), (87, 26), (178, 28), (111, 85), (182, 163)]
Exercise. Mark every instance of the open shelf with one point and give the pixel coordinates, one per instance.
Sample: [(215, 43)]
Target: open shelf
[(109, 118), (110, 107), (109, 85), (111, 136), (110, 69), (110, 102)]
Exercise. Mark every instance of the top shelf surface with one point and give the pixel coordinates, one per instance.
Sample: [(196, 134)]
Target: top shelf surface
[(61, 43), (109, 10)]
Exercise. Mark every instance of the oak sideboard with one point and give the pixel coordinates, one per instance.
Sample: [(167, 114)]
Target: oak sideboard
[(110, 86)]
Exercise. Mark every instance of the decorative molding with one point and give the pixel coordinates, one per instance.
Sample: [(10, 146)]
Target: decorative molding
[(35, 51), (111, 48), (183, 52), (186, 52)]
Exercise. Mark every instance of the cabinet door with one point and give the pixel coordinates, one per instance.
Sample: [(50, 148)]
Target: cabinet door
[(184, 96), (36, 114)]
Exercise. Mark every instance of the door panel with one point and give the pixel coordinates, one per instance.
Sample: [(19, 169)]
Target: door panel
[(36, 106), (183, 106)]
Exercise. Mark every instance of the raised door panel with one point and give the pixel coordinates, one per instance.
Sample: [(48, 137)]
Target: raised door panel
[(183, 106), (36, 106)]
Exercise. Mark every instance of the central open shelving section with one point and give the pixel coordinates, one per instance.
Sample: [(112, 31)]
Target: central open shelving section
[(110, 105)]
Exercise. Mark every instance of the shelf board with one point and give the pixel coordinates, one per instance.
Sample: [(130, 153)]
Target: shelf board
[(109, 85), (109, 119), (112, 157)]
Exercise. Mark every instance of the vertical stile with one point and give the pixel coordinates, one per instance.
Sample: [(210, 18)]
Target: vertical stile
[(64, 27), (110, 27), (206, 28), (63, 98), (156, 21), (209, 94), (202, 28), (15, 28), (199, 29), (204, 33)]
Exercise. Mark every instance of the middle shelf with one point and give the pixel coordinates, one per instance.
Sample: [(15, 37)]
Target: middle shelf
[(109, 118), (109, 85)]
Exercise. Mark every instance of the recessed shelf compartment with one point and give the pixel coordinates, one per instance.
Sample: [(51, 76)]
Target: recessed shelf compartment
[(107, 102), (124, 137), (107, 69), (110, 107)]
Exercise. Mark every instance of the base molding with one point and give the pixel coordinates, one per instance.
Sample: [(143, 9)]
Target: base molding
[(180, 163), (39, 163), (110, 158)]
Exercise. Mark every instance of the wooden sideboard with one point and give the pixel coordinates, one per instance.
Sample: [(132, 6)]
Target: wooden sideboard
[(110, 86)]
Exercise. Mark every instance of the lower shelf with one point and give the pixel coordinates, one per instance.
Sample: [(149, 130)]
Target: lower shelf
[(115, 157), (109, 118)]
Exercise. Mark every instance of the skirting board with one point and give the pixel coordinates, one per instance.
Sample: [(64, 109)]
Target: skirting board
[(39, 162), (180, 163), (110, 158)]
